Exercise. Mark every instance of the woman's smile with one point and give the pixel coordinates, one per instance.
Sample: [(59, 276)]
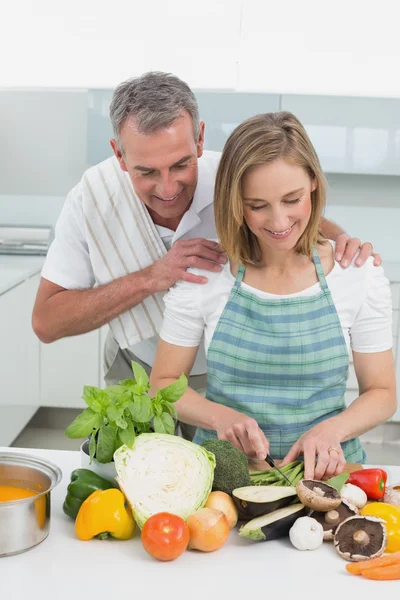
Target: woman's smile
[(281, 235)]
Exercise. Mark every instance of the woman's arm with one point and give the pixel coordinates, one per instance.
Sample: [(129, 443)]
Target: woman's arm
[(194, 409), (376, 403)]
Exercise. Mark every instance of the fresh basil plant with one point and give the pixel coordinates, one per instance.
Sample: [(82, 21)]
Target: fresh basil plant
[(118, 413)]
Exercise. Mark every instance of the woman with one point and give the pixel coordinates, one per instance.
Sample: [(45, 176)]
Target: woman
[(281, 317)]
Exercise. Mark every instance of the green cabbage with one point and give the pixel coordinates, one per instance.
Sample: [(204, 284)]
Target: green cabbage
[(164, 473)]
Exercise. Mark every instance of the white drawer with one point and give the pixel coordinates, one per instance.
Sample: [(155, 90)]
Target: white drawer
[(395, 290)]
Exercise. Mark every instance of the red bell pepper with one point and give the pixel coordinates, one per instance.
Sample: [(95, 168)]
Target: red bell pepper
[(372, 481)]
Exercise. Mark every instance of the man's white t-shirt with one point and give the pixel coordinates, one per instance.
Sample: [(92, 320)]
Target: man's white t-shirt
[(68, 260), (361, 296)]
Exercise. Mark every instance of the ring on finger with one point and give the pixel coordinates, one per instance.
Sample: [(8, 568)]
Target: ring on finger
[(333, 449)]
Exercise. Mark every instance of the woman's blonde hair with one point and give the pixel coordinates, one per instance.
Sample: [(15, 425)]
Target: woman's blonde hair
[(258, 141)]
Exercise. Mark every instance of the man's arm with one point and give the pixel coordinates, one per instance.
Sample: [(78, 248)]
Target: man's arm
[(347, 247), (59, 312)]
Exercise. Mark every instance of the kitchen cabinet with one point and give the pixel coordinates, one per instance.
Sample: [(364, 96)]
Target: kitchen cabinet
[(19, 360), (351, 135), (66, 366)]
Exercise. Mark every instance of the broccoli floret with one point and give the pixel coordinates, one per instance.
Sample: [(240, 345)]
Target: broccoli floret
[(232, 469)]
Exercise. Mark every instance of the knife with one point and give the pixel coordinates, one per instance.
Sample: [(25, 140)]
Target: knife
[(272, 464)]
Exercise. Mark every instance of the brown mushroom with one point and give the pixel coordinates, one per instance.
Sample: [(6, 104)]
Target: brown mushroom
[(331, 519), (360, 538), (318, 495)]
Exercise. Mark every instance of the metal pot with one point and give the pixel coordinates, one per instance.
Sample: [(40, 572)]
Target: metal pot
[(25, 523)]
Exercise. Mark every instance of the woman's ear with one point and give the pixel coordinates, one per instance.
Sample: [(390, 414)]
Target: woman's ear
[(314, 184)]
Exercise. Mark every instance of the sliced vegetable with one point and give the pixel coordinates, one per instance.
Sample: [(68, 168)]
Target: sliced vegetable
[(102, 514), (209, 530), (224, 503), (338, 481), (306, 534), (391, 515), (254, 501), (294, 471), (165, 536), (164, 473), (383, 561), (274, 525), (372, 481), (83, 483)]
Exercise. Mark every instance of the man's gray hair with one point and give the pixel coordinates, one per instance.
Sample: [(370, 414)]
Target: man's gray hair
[(155, 100)]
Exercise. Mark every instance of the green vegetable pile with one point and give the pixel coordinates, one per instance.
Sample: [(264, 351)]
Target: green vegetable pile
[(294, 471)]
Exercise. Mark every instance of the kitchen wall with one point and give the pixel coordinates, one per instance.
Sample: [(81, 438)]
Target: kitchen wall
[(49, 137)]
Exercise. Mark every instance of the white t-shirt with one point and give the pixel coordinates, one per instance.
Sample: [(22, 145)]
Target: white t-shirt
[(68, 260), (361, 296)]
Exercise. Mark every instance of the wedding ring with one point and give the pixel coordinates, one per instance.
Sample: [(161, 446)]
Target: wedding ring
[(332, 448)]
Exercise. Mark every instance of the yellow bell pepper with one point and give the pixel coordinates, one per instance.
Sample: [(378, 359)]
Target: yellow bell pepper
[(391, 515), (104, 513)]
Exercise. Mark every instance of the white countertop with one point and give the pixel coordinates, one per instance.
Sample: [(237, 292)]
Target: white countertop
[(63, 567), (16, 269)]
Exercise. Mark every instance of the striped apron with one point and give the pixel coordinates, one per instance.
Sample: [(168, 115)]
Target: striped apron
[(283, 362)]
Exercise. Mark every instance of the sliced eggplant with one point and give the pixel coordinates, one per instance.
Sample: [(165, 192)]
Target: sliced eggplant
[(256, 500), (273, 525)]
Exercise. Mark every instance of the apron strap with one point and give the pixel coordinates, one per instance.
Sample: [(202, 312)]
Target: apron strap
[(319, 269), (239, 276)]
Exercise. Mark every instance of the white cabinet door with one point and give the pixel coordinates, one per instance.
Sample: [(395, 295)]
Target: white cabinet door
[(66, 367), (19, 355), (351, 135)]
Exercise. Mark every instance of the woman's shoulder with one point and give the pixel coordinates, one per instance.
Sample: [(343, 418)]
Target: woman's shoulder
[(199, 292)]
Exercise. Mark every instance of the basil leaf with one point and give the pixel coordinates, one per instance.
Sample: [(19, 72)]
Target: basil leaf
[(127, 436), (114, 393), (84, 424), (93, 398), (121, 423), (164, 424), (92, 446), (106, 443), (114, 412), (173, 392), (142, 409), (171, 408), (140, 375)]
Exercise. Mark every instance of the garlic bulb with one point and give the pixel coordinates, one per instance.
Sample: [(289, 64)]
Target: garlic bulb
[(306, 534)]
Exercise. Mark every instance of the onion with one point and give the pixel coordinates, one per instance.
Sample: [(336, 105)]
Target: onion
[(209, 529), (392, 494), (223, 502)]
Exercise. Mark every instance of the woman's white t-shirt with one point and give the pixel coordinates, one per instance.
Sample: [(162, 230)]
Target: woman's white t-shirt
[(361, 296)]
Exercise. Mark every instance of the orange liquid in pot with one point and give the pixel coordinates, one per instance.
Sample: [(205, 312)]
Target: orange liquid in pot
[(10, 492)]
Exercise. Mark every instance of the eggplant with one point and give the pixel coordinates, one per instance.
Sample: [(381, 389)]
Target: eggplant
[(274, 525), (256, 500)]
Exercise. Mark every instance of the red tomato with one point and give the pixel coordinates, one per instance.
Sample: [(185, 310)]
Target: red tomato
[(165, 536)]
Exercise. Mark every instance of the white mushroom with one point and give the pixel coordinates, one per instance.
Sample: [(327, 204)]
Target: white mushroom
[(353, 494)]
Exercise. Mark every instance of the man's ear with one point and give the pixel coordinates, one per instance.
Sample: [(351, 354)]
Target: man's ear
[(200, 142), (118, 154)]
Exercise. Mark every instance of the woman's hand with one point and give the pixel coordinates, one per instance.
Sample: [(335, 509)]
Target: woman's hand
[(244, 433), (322, 442)]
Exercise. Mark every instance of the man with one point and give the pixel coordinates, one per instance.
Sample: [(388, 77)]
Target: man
[(135, 223)]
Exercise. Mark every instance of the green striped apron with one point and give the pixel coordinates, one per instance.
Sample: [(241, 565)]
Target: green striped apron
[(283, 362)]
